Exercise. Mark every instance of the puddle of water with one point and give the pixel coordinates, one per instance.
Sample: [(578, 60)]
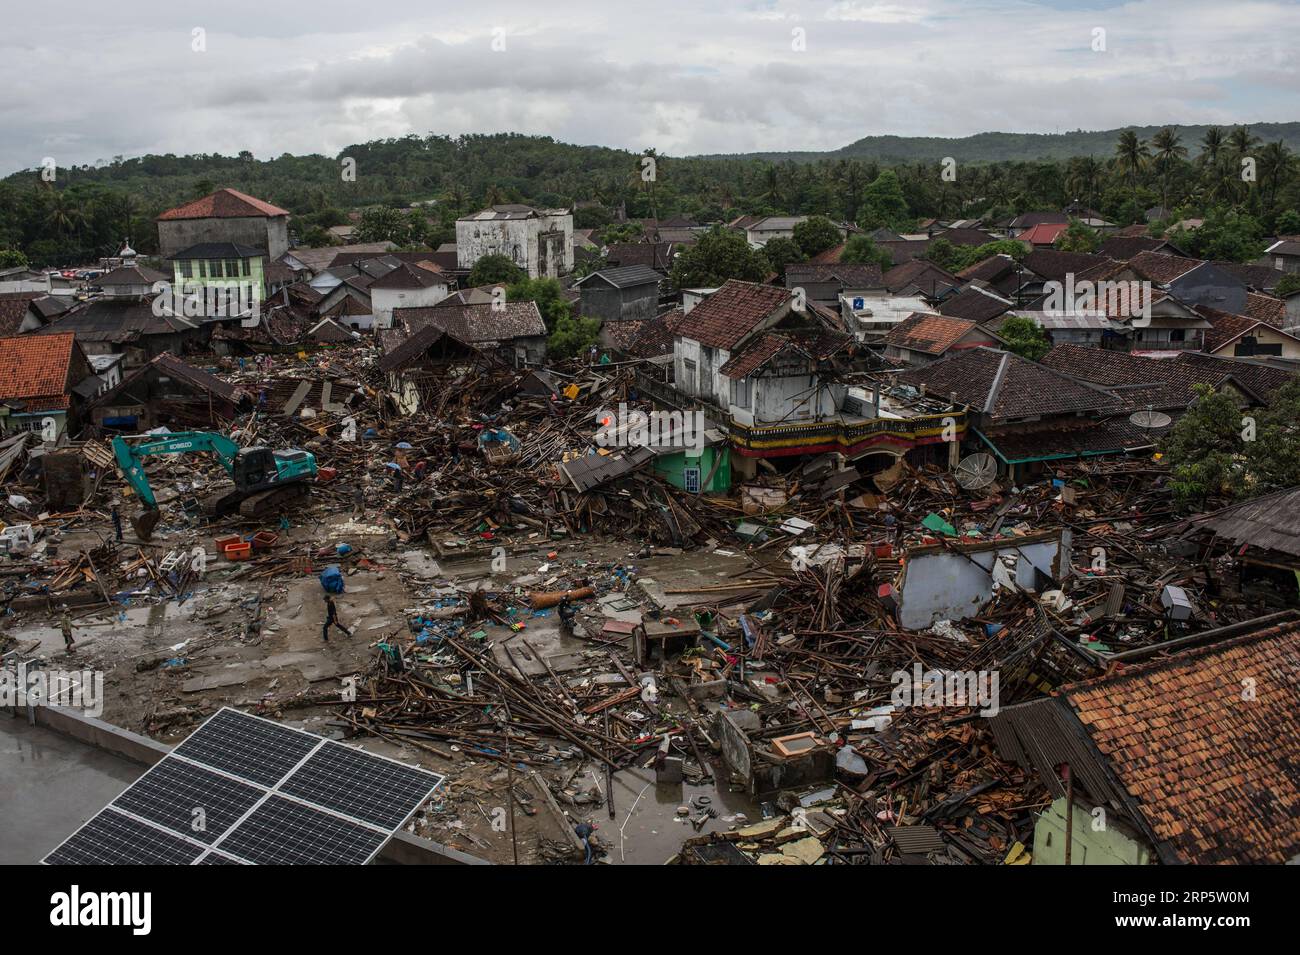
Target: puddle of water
[(652, 832)]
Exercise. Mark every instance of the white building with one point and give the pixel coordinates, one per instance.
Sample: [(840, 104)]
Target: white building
[(407, 286), (540, 241)]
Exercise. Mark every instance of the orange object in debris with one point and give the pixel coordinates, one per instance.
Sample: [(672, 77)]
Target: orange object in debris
[(264, 540), (540, 600), (325, 475), (228, 541), (241, 551)]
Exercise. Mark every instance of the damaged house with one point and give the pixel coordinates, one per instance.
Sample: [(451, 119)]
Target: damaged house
[(1182, 764), (45, 381), (513, 331), (166, 392), (778, 380)]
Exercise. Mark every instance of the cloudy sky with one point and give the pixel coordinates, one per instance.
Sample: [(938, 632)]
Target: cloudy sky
[(84, 81)]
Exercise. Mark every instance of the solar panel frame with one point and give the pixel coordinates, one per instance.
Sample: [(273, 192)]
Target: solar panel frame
[(287, 832), (327, 779), (260, 762), (172, 789), (114, 838), (323, 809)]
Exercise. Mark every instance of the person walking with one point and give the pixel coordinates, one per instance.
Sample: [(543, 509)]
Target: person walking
[(117, 522), (332, 619), (358, 502), (65, 625)]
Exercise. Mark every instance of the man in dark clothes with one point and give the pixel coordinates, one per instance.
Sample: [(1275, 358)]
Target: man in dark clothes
[(117, 522), (332, 619)]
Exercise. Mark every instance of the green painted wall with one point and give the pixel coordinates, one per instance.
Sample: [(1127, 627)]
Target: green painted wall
[(1113, 845), (672, 466), (200, 276)]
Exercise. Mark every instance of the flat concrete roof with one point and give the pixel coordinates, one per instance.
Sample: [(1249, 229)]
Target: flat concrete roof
[(49, 785)]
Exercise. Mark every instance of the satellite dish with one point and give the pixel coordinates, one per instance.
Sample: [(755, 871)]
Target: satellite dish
[(1149, 419), (976, 471)]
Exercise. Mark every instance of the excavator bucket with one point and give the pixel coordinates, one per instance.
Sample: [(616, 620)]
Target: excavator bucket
[(144, 522)]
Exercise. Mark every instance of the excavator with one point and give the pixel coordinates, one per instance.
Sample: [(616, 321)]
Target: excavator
[(262, 481)]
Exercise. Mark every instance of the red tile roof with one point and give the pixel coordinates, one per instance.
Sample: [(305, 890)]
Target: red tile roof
[(1266, 308), (1045, 233), (731, 313), (1211, 768), (223, 204), (931, 334), (1160, 267), (1227, 327), (34, 368), (13, 309), (815, 344)]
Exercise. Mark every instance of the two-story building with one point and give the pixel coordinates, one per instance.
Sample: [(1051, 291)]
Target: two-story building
[(225, 216), (783, 384), (539, 241)]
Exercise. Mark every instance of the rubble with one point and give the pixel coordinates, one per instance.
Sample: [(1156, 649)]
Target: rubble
[(743, 654)]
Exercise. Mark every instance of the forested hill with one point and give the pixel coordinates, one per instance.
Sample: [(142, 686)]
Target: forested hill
[(1004, 147)]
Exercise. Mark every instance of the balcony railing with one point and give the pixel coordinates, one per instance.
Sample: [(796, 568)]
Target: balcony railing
[(773, 437)]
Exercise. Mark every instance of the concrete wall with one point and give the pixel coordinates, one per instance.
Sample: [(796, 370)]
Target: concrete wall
[(261, 232), (1112, 844), (940, 584), (614, 304), (384, 300), (541, 246)]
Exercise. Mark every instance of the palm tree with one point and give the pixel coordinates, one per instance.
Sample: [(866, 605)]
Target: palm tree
[(849, 174), (1241, 143), (1213, 148), (1131, 155), (1275, 163), (65, 215), (1167, 147), (455, 196), (772, 182), (1083, 175), (494, 196)]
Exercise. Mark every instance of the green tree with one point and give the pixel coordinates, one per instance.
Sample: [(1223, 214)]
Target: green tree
[(883, 204), (495, 269), (1131, 157), (572, 336), (12, 259), (1288, 283), (1226, 234), (1024, 337), (1167, 149), (1204, 448), (1078, 238), (720, 254), (816, 234), (861, 250), (780, 252), (549, 296), (1288, 223), (1273, 453), (383, 224), (318, 238)]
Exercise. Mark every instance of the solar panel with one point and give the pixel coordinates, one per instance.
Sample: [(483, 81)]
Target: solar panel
[(188, 799), (330, 775), (111, 838), (283, 832), (245, 790), (248, 747)]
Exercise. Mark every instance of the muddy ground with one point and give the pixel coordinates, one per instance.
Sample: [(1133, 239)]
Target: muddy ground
[(256, 643)]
